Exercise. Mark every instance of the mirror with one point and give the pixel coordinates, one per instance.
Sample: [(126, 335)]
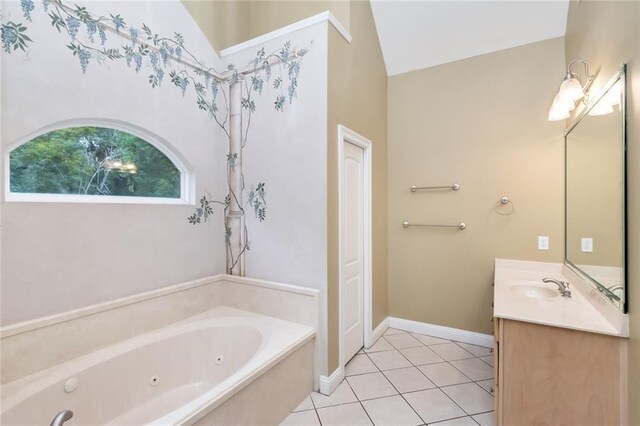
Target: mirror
[(595, 192)]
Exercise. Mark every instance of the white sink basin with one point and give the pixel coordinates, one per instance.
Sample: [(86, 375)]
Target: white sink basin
[(535, 291)]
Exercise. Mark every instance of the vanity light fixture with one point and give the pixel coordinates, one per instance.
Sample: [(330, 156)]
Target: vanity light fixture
[(558, 110), (571, 91)]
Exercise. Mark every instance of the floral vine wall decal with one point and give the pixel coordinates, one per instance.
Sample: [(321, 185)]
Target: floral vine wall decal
[(90, 39)]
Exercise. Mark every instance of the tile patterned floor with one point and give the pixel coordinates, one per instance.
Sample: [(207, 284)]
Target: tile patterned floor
[(407, 379)]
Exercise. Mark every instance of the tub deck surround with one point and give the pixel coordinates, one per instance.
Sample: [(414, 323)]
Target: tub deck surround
[(173, 375), (584, 311), (72, 334)]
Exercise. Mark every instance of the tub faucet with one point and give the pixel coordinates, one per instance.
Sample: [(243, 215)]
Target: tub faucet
[(61, 417), (563, 286)]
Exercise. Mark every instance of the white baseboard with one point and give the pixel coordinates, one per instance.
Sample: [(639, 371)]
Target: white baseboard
[(449, 333), (378, 331), (329, 384)]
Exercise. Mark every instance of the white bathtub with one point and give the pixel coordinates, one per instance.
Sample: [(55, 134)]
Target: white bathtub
[(174, 375)]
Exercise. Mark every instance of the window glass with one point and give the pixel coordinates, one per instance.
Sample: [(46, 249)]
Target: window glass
[(92, 161)]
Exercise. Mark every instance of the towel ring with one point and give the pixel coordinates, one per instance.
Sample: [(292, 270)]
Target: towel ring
[(503, 202)]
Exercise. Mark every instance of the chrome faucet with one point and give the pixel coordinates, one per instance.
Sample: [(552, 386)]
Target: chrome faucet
[(61, 417), (563, 286)]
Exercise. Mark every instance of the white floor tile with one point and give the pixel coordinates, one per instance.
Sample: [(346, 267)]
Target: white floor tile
[(461, 421), (433, 405), (401, 341), (421, 355), (344, 415), (408, 380), (451, 351), (454, 405), (475, 349), (443, 374), (486, 419), (391, 331), (471, 397), (302, 418), (487, 359), (384, 406), (474, 368), (360, 364), (368, 386), (429, 340), (306, 404), (342, 395), (379, 346), (389, 359), (391, 411)]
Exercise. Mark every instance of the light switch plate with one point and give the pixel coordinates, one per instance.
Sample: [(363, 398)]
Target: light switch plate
[(586, 245), (543, 242)]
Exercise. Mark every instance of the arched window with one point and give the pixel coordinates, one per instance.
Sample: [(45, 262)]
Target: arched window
[(95, 164)]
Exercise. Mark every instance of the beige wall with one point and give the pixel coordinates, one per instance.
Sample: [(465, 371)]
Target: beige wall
[(267, 15), (607, 34), (224, 23), (480, 122), (358, 100), (229, 22)]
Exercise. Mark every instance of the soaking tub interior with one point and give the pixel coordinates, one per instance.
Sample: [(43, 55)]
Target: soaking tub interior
[(173, 375)]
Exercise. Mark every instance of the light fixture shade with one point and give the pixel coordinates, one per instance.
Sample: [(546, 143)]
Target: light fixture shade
[(570, 90), (564, 104), (558, 115), (559, 110)]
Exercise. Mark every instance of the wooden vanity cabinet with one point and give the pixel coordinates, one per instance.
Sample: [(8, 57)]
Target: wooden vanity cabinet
[(555, 376)]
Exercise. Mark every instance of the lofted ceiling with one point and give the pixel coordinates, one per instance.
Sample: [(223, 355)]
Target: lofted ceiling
[(418, 34)]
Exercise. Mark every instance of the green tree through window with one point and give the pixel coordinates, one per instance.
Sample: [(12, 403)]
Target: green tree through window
[(92, 161)]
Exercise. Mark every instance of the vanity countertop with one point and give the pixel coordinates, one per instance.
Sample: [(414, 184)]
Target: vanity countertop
[(585, 310)]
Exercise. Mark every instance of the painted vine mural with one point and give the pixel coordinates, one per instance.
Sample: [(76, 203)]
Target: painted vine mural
[(227, 97)]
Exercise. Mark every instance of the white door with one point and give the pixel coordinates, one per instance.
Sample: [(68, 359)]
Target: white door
[(353, 250)]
